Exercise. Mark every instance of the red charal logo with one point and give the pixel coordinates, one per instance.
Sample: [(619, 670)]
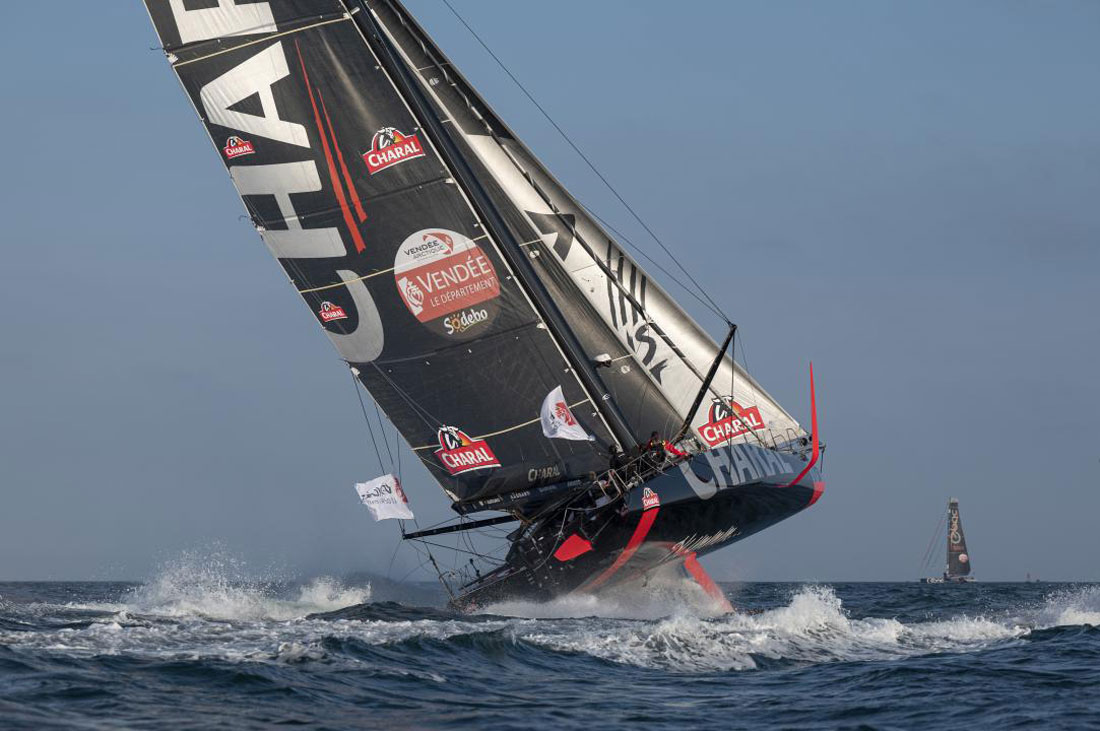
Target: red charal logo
[(650, 499), (330, 312), (727, 420), (563, 414), (391, 147), (447, 282), (236, 147), (459, 453)]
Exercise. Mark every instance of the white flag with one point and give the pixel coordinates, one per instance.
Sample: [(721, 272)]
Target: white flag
[(558, 421), (384, 498)]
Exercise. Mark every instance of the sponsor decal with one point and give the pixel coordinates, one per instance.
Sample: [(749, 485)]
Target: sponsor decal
[(956, 533), (538, 474), (391, 147), (963, 558), (384, 498), (459, 453), (728, 420), (236, 147), (460, 322), (330, 312), (446, 282), (650, 499)]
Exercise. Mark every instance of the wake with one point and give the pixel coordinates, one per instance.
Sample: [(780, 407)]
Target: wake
[(203, 608)]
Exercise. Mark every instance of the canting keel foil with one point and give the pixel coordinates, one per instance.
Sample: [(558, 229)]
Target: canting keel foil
[(462, 284)]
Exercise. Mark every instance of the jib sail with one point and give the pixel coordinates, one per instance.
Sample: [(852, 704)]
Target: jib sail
[(958, 559), (660, 353), (375, 231)]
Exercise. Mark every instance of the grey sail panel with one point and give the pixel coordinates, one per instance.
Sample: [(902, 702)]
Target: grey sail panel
[(663, 341), (958, 558), (352, 198)]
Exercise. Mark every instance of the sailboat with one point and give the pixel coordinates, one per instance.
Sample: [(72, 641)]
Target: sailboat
[(482, 307), (957, 570)]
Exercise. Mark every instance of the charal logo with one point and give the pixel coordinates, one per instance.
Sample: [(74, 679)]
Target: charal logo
[(459, 453), (650, 499), (331, 312), (728, 420), (391, 147), (236, 147), (563, 414)]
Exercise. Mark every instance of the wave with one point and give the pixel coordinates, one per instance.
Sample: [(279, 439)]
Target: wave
[(216, 587), (204, 607), (1069, 607), (812, 628)]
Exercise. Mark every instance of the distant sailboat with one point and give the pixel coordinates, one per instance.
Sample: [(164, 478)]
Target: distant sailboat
[(958, 558)]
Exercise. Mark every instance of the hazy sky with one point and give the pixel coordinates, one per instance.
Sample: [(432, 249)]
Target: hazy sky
[(907, 193)]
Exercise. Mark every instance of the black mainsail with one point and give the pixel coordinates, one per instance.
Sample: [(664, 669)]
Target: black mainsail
[(350, 194), (462, 284), (958, 559)]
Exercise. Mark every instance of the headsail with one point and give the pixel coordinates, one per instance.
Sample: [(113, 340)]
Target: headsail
[(660, 353), (353, 196), (958, 559)]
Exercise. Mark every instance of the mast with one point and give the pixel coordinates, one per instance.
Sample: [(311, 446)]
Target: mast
[(509, 247)]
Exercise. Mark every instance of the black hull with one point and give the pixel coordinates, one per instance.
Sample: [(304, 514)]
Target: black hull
[(693, 509)]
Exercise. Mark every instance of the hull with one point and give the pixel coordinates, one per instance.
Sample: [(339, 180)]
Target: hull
[(698, 507), (947, 580)]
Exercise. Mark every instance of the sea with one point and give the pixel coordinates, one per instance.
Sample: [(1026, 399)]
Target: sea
[(197, 648)]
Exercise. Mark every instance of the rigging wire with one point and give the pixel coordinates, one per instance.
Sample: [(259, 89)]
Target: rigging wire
[(592, 166), (370, 429), (929, 552), (385, 437)]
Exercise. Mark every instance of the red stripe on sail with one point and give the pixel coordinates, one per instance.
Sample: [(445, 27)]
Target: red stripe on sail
[(640, 532), (343, 166), (340, 197)]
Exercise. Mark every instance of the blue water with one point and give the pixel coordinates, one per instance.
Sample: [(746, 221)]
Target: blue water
[(194, 649)]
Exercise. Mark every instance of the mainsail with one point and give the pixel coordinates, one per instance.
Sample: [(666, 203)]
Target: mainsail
[(652, 334), (958, 559), (458, 280)]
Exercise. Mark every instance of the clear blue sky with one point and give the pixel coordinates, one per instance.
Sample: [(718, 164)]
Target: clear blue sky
[(908, 193)]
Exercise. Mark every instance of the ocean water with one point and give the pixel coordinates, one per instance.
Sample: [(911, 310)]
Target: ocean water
[(195, 648)]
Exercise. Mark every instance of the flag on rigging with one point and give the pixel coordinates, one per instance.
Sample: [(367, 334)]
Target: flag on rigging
[(558, 421), (384, 498)]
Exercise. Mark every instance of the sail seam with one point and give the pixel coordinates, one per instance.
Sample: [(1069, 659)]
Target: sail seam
[(509, 429), (362, 278), (265, 39)]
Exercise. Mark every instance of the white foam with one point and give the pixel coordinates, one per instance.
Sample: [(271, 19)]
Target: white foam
[(215, 587), (1070, 607), (205, 607), (812, 628)]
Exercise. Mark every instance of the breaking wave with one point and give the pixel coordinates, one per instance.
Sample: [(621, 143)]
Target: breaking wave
[(204, 608)]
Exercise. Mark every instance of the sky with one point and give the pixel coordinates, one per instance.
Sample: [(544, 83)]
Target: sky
[(906, 193)]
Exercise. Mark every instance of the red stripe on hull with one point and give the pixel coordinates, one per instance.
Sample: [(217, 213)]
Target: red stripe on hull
[(636, 540)]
